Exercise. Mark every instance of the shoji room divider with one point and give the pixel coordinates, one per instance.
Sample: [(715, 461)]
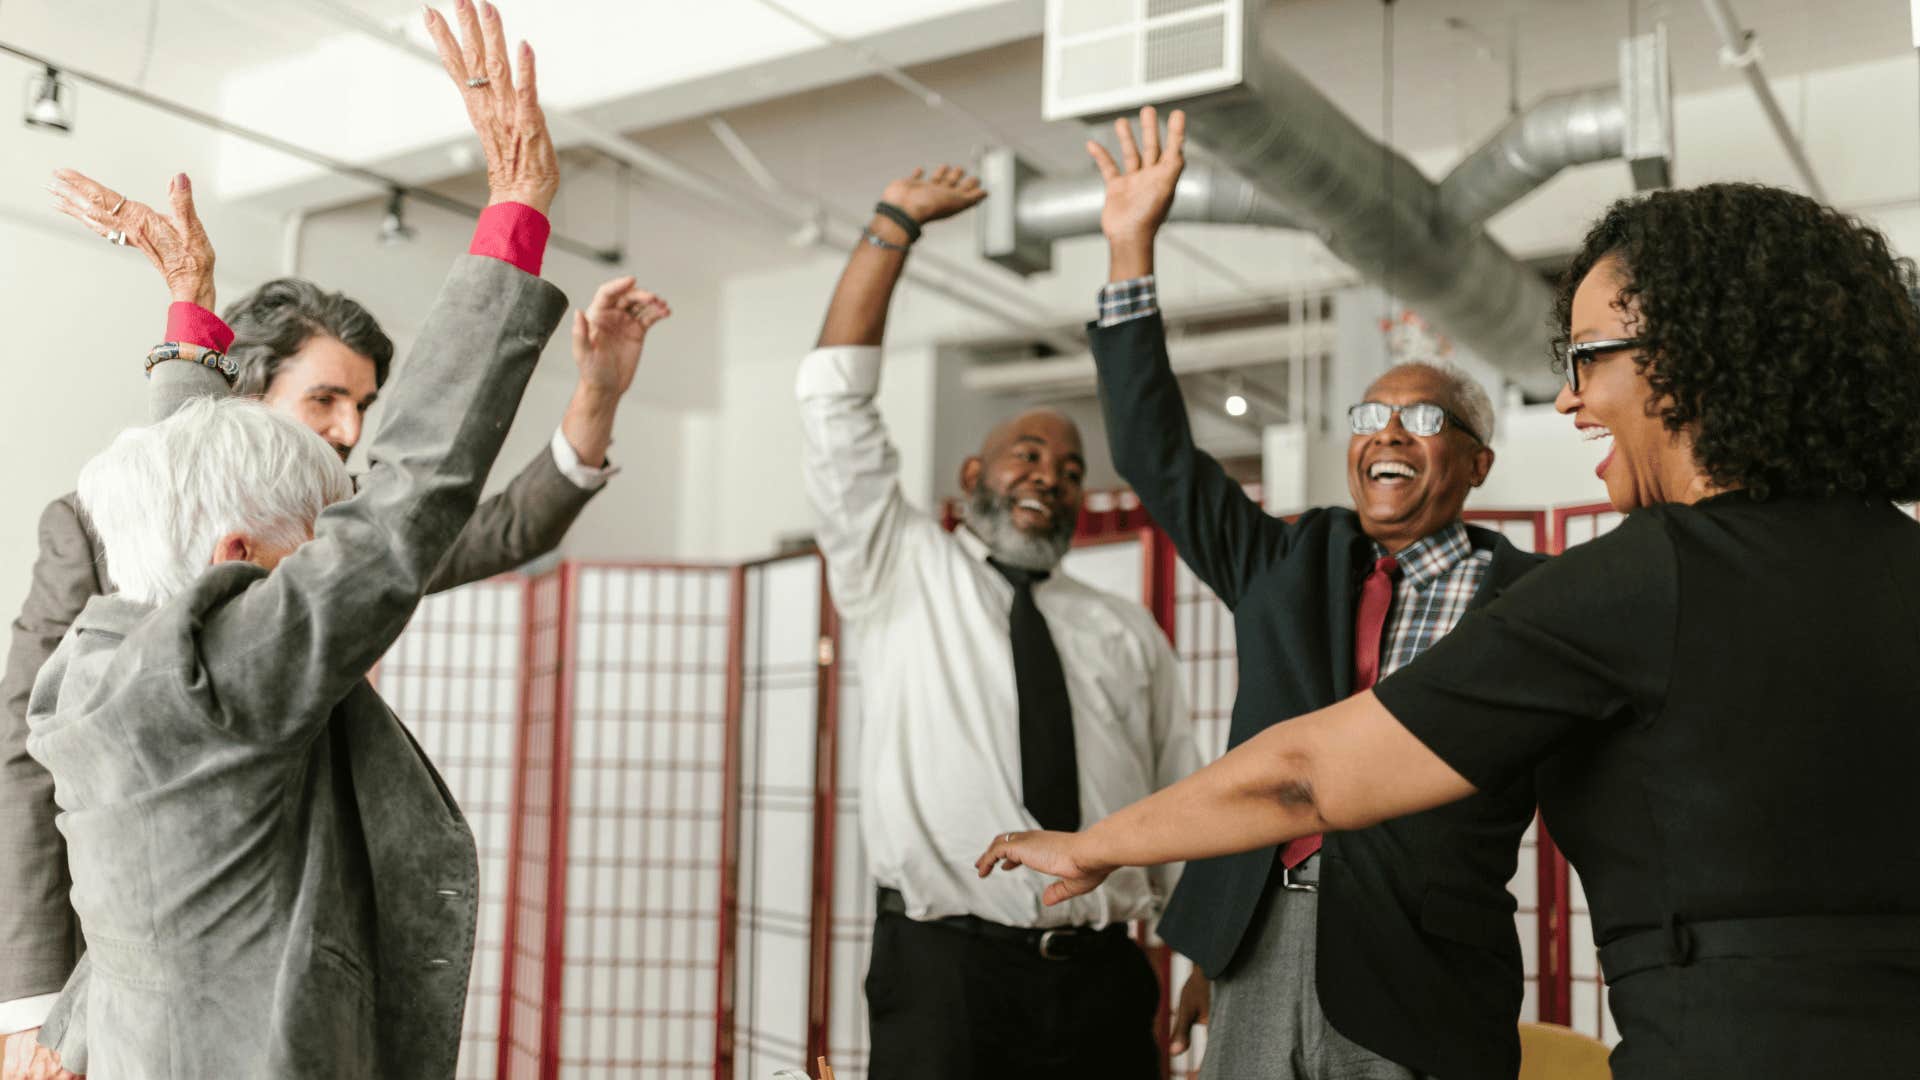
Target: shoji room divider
[(659, 761)]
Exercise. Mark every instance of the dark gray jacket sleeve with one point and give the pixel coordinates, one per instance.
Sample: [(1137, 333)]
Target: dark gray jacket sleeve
[(516, 526), (39, 942), (278, 657)]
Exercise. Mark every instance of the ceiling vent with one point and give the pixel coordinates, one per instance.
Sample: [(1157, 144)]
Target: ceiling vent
[(1107, 56)]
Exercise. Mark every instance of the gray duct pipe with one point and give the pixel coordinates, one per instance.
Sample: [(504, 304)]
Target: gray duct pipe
[(1575, 128), (1379, 214), (1057, 207), (1018, 227)]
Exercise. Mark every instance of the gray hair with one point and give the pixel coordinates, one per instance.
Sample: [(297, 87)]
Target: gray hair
[(276, 320), (162, 496), (1467, 397)]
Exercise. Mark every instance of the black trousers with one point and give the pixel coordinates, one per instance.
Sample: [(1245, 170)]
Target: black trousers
[(945, 1004)]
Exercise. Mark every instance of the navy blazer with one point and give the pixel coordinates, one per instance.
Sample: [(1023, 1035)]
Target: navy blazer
[(1419, 960)]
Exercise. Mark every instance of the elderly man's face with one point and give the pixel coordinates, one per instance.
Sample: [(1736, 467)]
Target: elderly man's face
[(1406, 486), (1024, 488)]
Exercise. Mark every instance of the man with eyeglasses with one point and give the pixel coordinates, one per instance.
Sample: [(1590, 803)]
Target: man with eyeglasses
[(1385, 953)]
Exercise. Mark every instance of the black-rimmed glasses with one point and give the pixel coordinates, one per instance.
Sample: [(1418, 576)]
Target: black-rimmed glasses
[(1574, 355), (1419, 418)]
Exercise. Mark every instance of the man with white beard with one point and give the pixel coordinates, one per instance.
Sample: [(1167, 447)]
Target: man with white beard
[(995, 689)]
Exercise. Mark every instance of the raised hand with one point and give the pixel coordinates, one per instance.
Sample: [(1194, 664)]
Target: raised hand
[(608, 336), (176, 245), (521, 164), (1140, 186), (929, 198), (1060, 854)]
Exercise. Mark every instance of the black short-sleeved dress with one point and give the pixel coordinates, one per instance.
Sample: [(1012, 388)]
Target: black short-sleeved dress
[(1720, 703)]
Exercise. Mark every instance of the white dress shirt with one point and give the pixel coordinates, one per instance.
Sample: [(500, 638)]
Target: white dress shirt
[(940, 718)]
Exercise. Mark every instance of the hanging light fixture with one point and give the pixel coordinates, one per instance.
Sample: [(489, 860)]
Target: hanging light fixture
[(394, 228), (1236, 403), (49, 101)]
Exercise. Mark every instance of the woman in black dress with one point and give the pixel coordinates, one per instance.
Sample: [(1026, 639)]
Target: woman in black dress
[(1718, 695)]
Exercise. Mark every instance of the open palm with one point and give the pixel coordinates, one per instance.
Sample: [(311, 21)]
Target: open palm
[(1141, 184)]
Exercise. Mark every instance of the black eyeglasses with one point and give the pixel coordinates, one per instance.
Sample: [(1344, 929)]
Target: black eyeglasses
[(1574, 355), (1419, 418)]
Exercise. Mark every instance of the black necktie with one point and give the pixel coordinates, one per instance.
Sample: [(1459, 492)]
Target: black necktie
[(1049, 775)]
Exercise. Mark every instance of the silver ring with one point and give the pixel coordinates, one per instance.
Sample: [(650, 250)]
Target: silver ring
[(477, 82), (117, 206), (115, 236), (1006, 838)]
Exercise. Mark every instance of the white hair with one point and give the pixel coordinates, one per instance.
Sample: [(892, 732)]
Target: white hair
[(1469, 399), (161, 496)]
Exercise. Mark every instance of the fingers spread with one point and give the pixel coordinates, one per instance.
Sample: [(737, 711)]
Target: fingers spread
[(473, 49), (448, 48), (1149, 134), (1176, 132), (498, 69), (1102, 160), (1129, 153), (527, 93)]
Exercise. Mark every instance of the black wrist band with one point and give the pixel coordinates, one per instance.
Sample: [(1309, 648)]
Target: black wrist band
[(899, 217)]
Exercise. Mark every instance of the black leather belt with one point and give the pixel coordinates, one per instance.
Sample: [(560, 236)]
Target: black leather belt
[(1680, 943), (1060, 943)]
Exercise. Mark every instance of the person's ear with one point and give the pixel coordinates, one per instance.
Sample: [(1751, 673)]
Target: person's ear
[(233, 547), (970, 471), (1482, 465)]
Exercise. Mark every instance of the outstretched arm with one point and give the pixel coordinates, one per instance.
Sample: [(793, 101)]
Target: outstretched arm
[(858, 313), (533, 514), (1347, 766), (1225, 536)]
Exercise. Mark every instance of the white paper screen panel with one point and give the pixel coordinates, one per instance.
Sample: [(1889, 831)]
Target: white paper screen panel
[(779, 728), (645, 801), (453, 677)]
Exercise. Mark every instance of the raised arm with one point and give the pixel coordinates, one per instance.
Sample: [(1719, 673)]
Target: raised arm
[(532, 515), (1222, 534), (1347, 766), (283, 652), (850, 466)]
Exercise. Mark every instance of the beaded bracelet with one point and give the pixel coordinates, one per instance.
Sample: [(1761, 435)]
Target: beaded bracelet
[(197, 354)]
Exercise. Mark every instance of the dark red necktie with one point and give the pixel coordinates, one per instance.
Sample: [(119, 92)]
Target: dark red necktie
[(1376, 596)]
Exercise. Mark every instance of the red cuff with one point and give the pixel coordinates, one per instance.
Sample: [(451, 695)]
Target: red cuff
[(190, 324), (512, 232)]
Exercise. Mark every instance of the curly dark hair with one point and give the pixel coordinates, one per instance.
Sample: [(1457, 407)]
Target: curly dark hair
[(277, 320), (1781, 331)]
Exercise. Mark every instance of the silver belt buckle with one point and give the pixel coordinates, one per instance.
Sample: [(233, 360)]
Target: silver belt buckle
[(1287, 881), (1046, 945)]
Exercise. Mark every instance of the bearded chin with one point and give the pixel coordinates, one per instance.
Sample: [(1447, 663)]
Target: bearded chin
[(990, 516)]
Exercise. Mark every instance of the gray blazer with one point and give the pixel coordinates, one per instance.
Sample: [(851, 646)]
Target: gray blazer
[(271, 878), (39, 941)]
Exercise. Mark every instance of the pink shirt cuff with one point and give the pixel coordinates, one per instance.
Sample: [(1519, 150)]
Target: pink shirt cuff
[(512, 232), (190, 324)]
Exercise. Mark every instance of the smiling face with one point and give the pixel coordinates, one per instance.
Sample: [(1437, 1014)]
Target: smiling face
[(1405, 486), (328, 387), (1024, 488), (1646, 463)]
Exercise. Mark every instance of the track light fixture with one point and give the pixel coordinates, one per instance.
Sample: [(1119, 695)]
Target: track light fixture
[(394, 228), (49, 102)]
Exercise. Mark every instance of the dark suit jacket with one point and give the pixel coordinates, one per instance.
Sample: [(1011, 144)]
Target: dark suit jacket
[(1418, 956), (274, 881), (39, 943)]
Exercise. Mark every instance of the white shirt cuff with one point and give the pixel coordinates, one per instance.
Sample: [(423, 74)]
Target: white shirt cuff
[(839, 369), (25, 1014), (584, 477)]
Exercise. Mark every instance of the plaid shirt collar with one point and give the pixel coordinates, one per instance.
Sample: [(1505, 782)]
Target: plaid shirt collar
[(1432, 557)]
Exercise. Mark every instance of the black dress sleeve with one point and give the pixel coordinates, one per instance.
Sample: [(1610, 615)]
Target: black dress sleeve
[(1583, 643)]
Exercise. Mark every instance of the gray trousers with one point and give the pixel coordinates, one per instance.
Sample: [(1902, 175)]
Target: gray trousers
[(1266, 1022)]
